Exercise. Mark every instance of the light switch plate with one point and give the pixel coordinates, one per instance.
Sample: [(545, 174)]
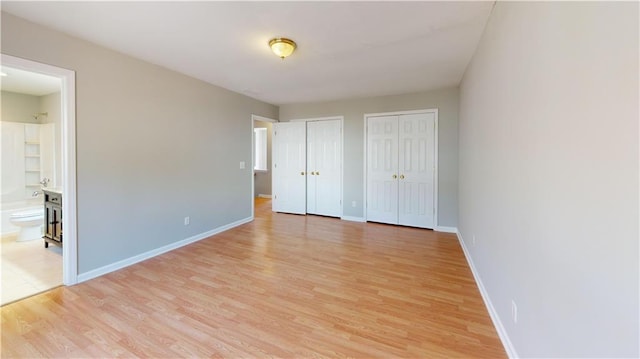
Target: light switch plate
[(242, 165)]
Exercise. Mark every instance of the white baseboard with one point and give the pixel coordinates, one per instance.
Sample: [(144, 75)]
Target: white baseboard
[(502, 333), (352, 219), (155, 252), (446, 229), (264, 195)]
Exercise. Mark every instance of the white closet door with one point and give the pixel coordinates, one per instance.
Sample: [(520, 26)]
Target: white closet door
[(382, 169), (313, 147), (416, 170), (289, 167), (324, 168)]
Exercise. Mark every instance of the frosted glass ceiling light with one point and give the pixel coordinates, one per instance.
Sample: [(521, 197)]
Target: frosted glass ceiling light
[(282, 47)]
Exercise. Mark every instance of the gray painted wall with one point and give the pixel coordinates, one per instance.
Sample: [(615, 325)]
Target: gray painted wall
[(262, 183), (549, 175), (153, 146), (17, 107), (445, 100)]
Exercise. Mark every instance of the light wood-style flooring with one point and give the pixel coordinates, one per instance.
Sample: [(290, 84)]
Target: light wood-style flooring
[(283, 285)]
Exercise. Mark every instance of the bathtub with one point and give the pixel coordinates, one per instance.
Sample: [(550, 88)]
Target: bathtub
[(9, 208)]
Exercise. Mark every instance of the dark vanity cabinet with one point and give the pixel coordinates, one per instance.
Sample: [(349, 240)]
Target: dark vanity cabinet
[(52, 218)]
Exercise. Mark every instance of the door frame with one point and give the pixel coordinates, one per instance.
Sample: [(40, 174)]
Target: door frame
[(68, 127), (341, 119), (255, 118), (435, 163)]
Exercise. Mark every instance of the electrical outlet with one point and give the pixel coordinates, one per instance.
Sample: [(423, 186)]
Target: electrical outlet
[(242, 165), (353, 204), (187, 220), (514, 312)]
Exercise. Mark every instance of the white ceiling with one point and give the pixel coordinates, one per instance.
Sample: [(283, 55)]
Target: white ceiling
[(29, 83), (345, 49)]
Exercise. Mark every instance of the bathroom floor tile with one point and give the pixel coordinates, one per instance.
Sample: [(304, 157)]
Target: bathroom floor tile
[(27, 268), (18, 292), (12, 279)]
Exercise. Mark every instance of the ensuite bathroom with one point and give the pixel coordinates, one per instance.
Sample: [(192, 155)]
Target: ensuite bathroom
[(31, 141)]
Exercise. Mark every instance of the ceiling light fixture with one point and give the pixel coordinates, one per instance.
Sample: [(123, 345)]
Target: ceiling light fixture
[(282, 47)]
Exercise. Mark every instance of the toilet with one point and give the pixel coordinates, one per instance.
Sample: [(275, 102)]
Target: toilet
[(30, 223)]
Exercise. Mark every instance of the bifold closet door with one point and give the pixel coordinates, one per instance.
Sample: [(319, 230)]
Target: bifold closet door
[(289, 167), (324, 156), (400, 169), (382, 169), (416, 167)]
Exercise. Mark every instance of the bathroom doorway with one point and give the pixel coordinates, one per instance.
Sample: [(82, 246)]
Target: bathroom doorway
[(38, 131)]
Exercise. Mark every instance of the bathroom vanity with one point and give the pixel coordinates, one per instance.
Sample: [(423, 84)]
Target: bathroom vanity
[(52, 217)]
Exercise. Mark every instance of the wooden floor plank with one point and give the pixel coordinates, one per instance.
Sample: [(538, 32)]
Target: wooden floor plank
[(283, 286)]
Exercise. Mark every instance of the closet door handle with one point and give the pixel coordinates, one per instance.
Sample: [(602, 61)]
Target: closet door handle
[(394, 176), (401, 176), (302, 173), (317, 173)]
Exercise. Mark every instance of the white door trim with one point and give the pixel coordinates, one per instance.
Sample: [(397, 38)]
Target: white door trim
[(327, 118), (435, 172), (398, 113), (262, 118), (68, 120), (255, 118)]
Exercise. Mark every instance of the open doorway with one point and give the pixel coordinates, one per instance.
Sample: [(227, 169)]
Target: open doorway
[(38, 131), (262, 134)]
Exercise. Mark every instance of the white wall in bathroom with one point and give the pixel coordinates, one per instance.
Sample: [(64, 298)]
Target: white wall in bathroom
[(12, 162), (17, 109), (51, 105), (49, 154), (19, 159), (20, 109)]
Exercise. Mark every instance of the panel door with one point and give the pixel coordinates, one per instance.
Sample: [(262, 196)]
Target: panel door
[(289, 167), (382, 169), (416, 170), (324, 168)]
